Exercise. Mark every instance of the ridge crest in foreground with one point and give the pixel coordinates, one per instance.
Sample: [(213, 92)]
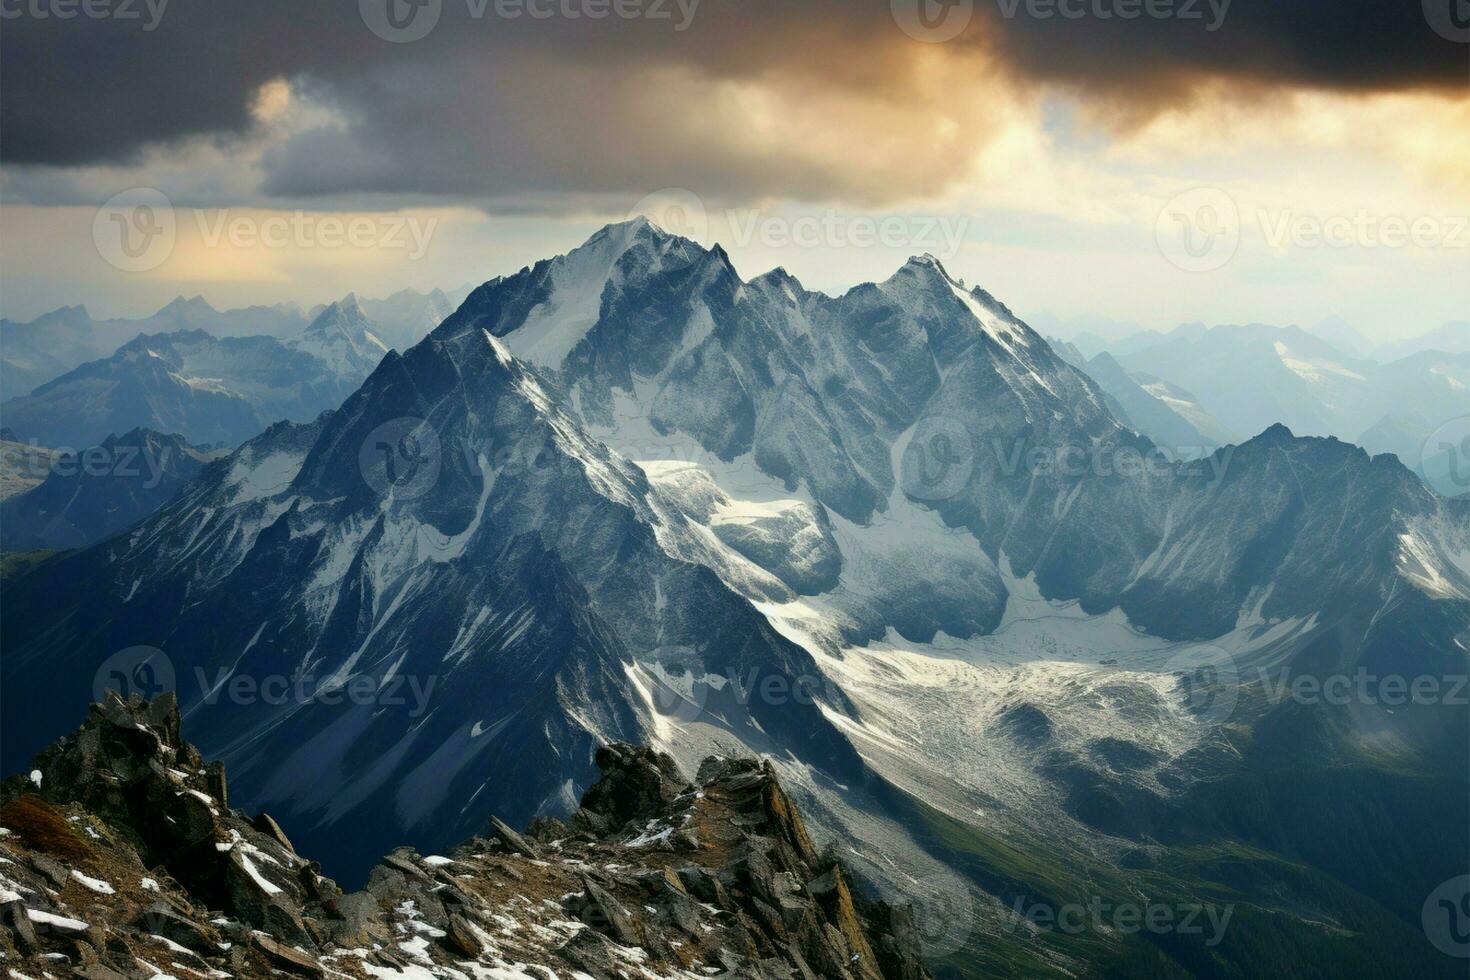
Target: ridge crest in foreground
[(123, 859)]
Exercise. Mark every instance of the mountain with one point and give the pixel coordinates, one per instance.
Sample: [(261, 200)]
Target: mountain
[(1344, 336), (342, 337), (1452, 337), (90, 496), (204, 388), (49, 346), (1167, 414), (1004, 655), (34, 353), (1250, 377), (406, 317), (656, 876)]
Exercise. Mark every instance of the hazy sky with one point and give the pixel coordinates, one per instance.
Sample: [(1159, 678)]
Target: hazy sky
[(1150, 161)]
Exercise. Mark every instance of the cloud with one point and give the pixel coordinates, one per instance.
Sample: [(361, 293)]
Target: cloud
[(822, 100)]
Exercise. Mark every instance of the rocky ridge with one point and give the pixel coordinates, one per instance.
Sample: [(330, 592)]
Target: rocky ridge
[(120, 858)]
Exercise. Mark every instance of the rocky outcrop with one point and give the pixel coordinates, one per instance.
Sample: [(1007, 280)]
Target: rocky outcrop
[(122, 859)]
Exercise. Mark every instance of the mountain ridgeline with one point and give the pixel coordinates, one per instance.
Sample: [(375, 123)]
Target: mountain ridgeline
[(626, 495)]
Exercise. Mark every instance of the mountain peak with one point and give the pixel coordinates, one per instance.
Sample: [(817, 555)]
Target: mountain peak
[(181, 307)]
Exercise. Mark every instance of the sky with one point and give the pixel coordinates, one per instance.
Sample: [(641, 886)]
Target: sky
[(1149, 162)]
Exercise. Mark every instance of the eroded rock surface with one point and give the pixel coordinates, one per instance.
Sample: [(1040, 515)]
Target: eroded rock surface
[(122, 859)]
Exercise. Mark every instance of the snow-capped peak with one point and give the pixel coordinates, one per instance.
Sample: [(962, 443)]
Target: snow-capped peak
[(341, 336), (575, 283)]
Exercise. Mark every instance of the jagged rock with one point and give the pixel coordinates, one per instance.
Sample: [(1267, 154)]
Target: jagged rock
[(266, 824), (356, 920), (602, 912), (636, 783), (462, 939), (752, 898), (548, 829), (286, 958), (513, 841), (13, 917), (161, 920)]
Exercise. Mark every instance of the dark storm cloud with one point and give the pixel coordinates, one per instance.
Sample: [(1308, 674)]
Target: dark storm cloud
[(494, 106), (1346, 45)]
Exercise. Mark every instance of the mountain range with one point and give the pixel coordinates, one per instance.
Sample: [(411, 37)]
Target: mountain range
[(35, 352), (1093, 334), (1408, 398), (995, 642), (206, 388)]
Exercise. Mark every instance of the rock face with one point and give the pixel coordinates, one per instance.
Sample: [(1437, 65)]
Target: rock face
[(123, 859)]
